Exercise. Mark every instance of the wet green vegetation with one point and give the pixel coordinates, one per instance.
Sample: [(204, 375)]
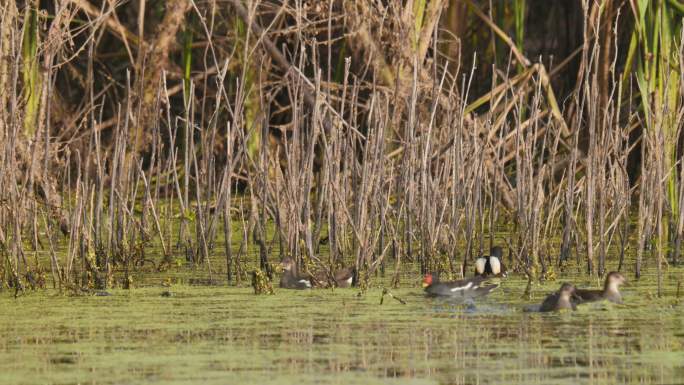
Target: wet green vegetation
[(219, 335), (155, 156)]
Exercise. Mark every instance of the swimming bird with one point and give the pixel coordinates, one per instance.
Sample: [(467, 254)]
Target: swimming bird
[(492, 264), (610, 292), (342, 277), (291, 279), (470, 287), (560, 300)]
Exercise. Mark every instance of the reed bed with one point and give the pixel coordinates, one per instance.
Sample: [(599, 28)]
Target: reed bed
[(335, 132)]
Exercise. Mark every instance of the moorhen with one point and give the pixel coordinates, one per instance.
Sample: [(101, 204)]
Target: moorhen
[(560, 300), (342, 277), (610, 290), (492, 264), (291, 279), (470, 287)]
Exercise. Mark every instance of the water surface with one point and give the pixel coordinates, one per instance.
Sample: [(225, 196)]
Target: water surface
[(227, 335)]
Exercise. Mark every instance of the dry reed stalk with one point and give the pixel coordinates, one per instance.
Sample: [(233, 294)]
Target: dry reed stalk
[(393, 162)]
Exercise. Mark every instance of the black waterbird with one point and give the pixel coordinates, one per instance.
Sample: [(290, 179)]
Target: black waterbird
[(491, 265), (470, 287)]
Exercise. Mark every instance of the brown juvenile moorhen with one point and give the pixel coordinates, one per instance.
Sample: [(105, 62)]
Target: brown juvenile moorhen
[(291, 279), (341, 277), (344, 277), (560, 300), (610, 292)]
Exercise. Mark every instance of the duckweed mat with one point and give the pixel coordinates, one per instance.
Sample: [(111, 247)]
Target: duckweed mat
[(227, 335)]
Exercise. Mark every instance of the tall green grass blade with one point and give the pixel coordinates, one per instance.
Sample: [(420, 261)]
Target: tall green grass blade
[(419, 13), (31, 76), (676, 6), (251, 98), (187, 60), (658, 79), (519, 14)]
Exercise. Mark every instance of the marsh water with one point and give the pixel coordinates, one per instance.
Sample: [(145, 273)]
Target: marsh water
[(227, 335)]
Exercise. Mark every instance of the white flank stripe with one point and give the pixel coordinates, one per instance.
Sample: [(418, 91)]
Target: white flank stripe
[(305, 282), (463, 287)]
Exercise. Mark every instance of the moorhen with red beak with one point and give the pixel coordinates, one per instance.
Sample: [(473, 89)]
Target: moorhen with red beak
[(470, 287)]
